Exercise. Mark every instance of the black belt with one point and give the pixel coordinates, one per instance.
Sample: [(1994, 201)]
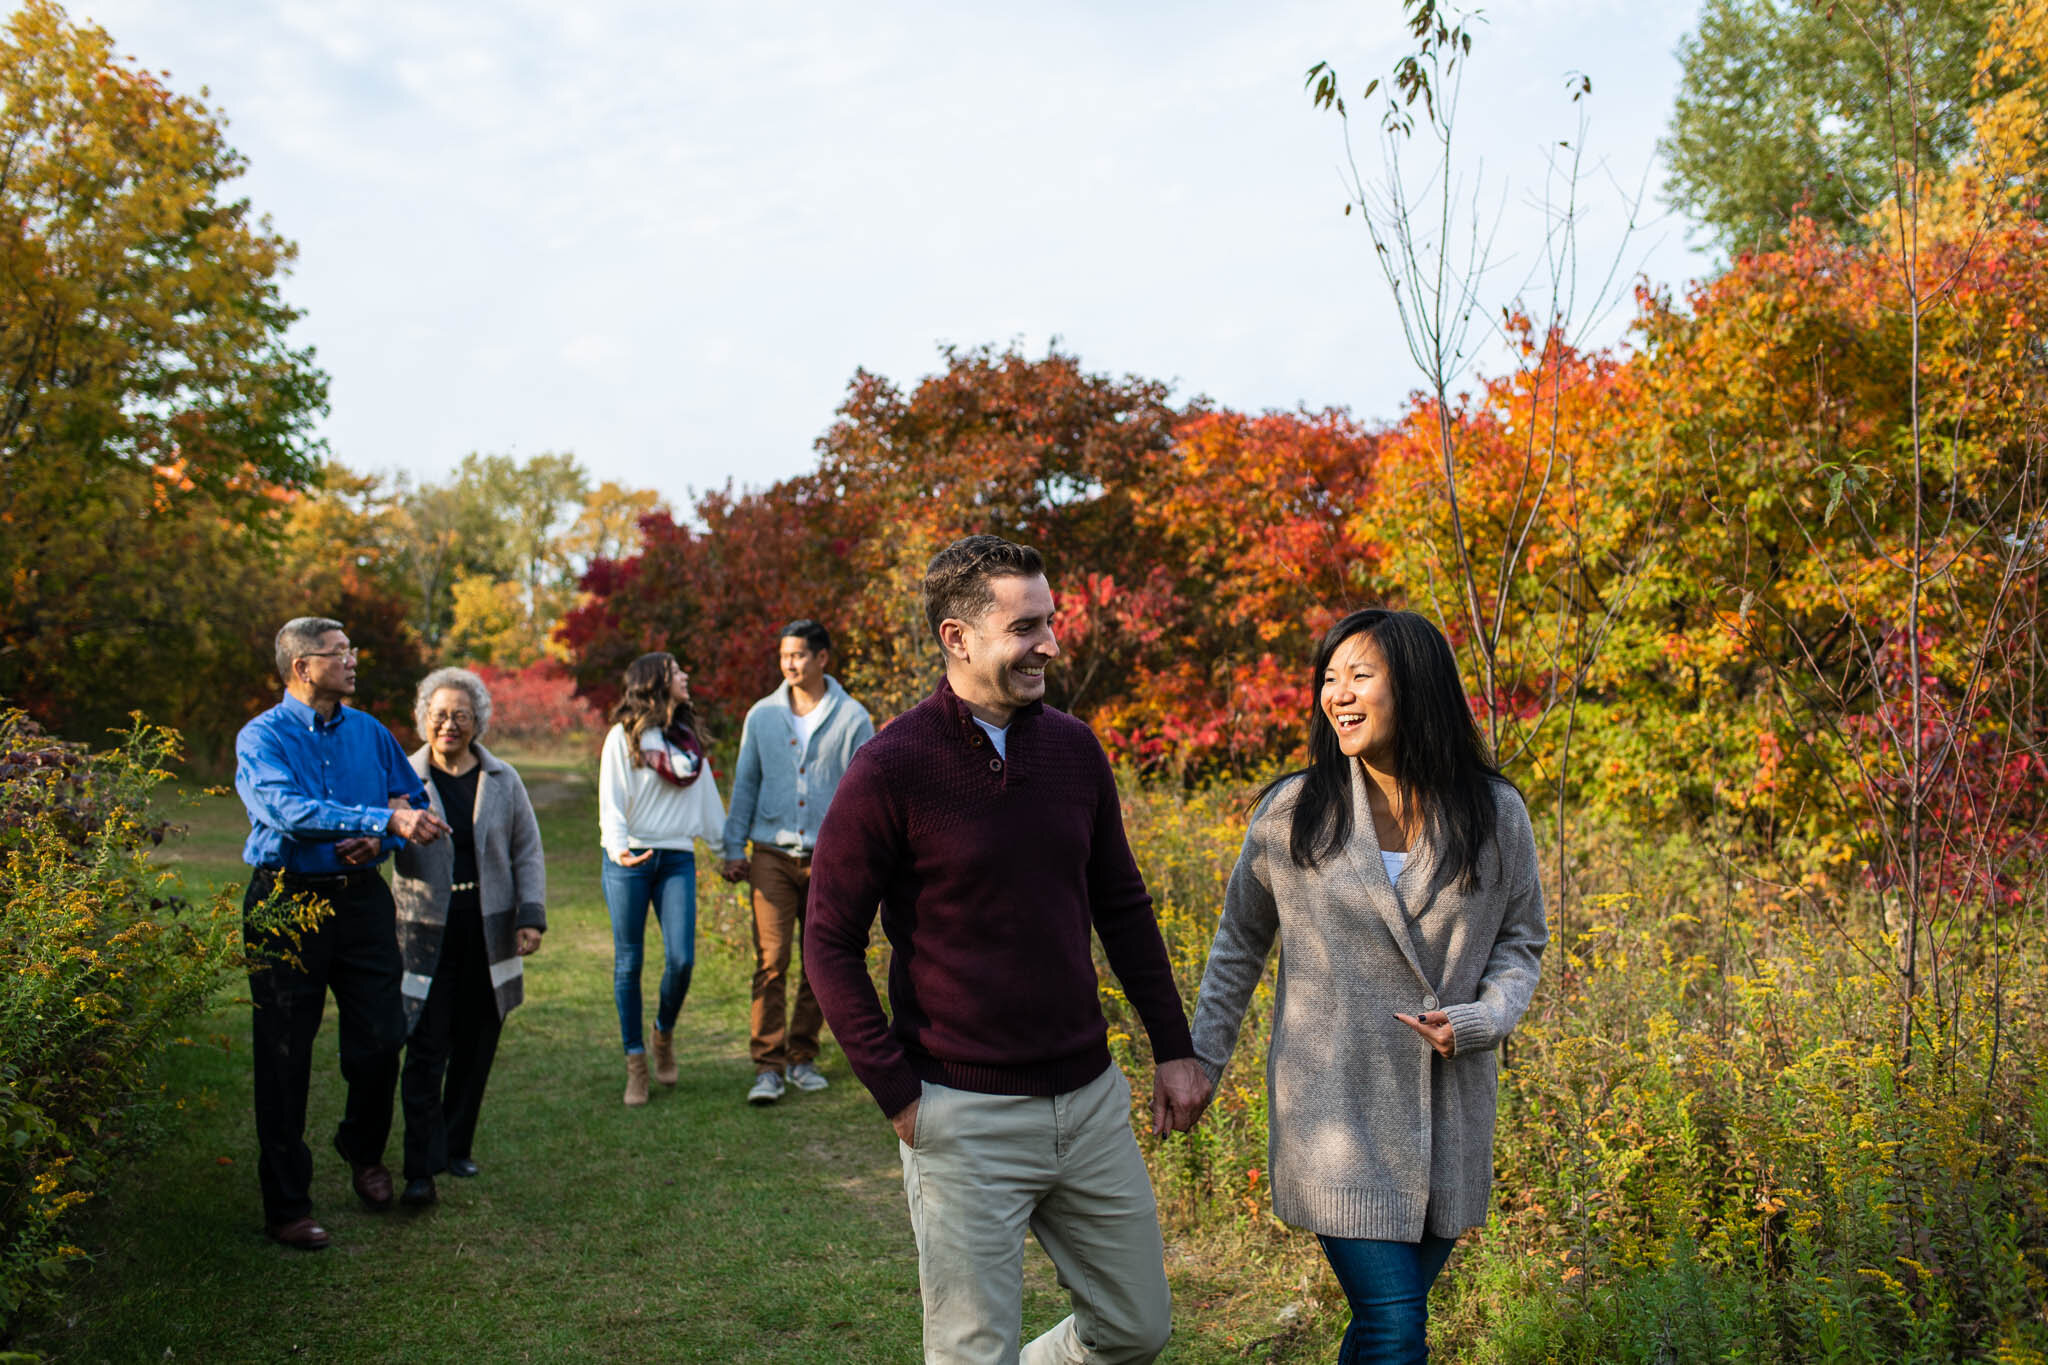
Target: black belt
[(328, 881)]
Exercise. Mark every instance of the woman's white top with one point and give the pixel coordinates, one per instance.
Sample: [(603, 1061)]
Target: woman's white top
[(1393, 862), (639, 808)]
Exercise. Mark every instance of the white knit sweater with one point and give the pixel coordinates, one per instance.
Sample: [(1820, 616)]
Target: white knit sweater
[(639, 808)]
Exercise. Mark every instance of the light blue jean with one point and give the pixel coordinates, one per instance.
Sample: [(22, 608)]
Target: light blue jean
[(1387, 1285), (668, 882)]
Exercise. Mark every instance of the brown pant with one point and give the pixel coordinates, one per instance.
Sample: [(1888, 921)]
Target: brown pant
[(782, 888)]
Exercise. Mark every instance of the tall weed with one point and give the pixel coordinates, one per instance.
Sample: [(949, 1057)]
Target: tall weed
[(98, 964), (1709, 1147)]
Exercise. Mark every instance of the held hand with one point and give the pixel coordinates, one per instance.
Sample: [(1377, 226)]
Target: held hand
[(628, 858), (904, 1121), (420, 826), (1435, 1028), (359, 850), (1180, 1092), (733, 869), (526, 942)]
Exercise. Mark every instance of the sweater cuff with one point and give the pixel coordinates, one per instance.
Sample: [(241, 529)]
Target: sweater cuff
[(897, 1091), (530, 915), (1170, 1040), (1471, 1028)]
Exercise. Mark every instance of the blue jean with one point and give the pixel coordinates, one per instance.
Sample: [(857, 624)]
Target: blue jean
[(1387, 1285), (668, 882)]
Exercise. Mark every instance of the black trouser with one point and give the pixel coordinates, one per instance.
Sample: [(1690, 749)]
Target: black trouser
[(456, 1039), (354, 953)]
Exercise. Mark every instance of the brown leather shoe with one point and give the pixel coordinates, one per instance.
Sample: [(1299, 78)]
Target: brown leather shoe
[(372, 1182), (372, 1185), (300, 1234)]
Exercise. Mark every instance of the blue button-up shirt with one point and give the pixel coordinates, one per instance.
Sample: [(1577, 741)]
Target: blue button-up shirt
[(309, 783)]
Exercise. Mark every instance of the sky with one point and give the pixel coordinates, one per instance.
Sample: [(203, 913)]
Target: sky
[(664, 236)]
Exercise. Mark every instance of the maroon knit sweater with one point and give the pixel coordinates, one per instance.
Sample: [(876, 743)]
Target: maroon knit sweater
[(988, 873)]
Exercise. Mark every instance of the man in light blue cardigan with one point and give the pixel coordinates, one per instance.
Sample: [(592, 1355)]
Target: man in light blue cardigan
[(794, 749)]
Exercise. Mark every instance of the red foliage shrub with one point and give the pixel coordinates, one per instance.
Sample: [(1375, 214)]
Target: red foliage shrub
[(537, 703)]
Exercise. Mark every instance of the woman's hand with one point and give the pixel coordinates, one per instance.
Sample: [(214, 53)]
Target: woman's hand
[(1435, 1028), (628, 858), (526, 942)]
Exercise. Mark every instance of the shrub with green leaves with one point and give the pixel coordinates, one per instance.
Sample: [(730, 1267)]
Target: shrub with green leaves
[(98, 964)]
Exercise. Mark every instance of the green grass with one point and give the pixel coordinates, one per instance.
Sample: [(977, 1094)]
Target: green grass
[(695, 1229)]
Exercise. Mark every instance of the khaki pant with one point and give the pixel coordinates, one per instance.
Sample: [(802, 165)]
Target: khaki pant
[(782, 888), (986, 1167)]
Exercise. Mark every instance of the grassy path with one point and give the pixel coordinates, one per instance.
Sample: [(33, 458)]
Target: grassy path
[(696, 1229)]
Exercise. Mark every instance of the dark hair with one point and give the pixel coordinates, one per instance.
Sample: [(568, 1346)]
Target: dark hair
[(646, 704), (815, 637), (1441, 766), (956, 582), (299, 637)]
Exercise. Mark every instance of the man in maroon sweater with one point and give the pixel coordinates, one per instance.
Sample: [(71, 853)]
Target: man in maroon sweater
[(987, 827)]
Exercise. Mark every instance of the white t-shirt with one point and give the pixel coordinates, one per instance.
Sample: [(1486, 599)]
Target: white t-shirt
[(1393, 862), (997, 737), (807, 724)]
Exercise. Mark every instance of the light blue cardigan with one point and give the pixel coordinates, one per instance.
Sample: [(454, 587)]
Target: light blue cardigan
[(782, 788)]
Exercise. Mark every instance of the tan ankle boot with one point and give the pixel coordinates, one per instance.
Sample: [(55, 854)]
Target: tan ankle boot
[(636, 1079), (665, 1057)]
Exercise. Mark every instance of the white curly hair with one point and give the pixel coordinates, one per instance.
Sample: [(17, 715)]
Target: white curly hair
[(463, 681)]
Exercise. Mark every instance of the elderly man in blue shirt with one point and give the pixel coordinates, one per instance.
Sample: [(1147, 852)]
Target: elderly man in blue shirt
[(329, 795)]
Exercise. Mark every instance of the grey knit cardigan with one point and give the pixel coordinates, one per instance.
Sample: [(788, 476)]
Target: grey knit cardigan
[(512, 882), (1371, 1133)]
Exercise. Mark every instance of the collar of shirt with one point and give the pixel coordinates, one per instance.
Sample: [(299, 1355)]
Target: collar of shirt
[(306, 717)]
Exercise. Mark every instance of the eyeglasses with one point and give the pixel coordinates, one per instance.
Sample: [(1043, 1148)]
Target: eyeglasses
[(346, 654), (441, 718)]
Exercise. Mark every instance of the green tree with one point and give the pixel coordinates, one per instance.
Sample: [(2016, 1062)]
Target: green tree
[(1784, 108), (496, 518)]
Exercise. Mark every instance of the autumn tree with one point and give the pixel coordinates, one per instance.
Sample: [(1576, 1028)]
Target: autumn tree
[(153, 408), (1193, 554), (607, 525)]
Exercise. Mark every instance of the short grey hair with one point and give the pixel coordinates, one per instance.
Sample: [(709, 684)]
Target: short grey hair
[(462, 680), (299, 637)]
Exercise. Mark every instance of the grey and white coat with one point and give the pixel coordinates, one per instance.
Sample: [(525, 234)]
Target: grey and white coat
[(1371, 1133), (512, 883)]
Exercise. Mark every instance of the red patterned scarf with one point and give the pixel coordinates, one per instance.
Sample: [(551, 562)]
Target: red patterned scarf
[(675, 753)]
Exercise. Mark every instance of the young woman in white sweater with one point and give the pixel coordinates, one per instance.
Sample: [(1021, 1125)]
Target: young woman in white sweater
[(655, 797)]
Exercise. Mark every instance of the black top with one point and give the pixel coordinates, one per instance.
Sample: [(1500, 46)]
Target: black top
[(458, 799)]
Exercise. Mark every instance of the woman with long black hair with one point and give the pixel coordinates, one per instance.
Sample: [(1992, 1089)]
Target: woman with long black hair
[(1399, 872), (655, 798)]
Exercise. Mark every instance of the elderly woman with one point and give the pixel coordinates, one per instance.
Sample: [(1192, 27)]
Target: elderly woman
[(469, 908), (1398, 872)]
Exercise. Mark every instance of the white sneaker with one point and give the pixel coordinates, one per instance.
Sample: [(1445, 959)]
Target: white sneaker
[(804, 1076), (767, 1088)]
